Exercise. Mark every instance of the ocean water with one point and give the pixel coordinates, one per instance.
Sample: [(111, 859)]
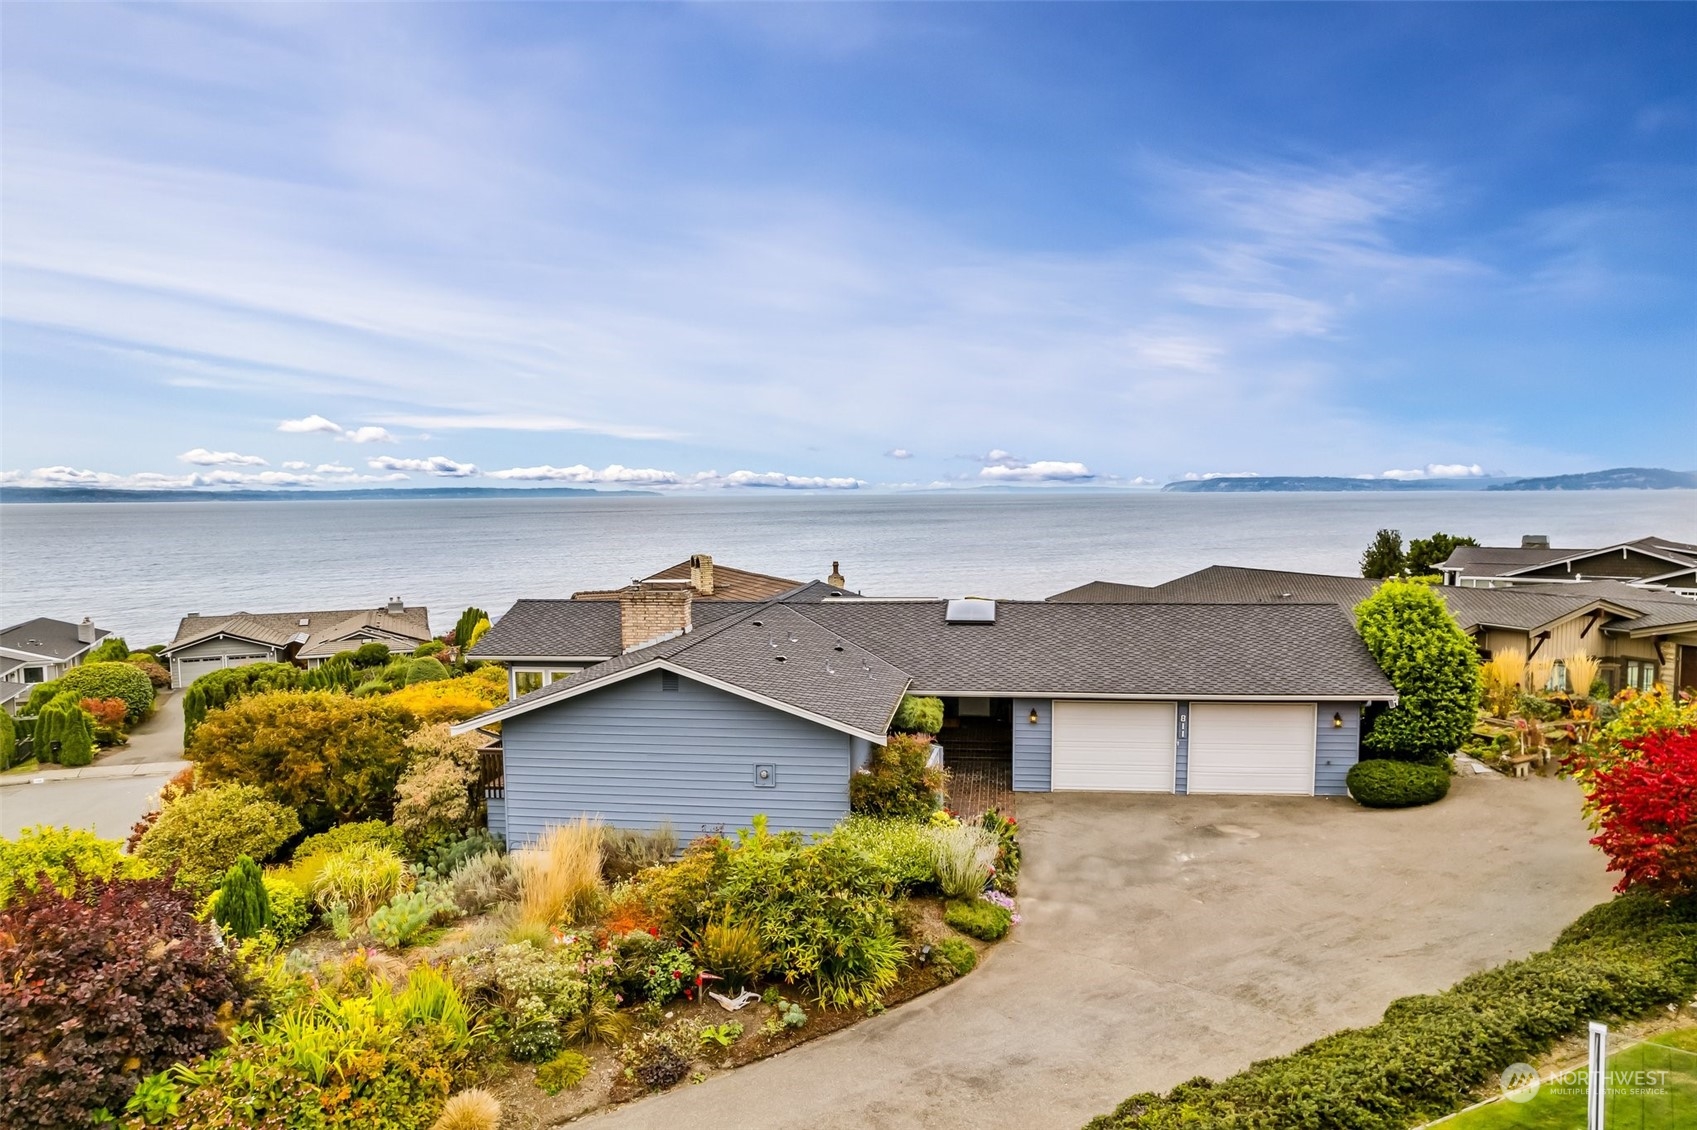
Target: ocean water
[(138, 567)]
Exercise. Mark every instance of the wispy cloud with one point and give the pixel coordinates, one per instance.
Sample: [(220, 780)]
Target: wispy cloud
[(1435, 471), (438, 465), (368, 433), (201, 457), (580, 473)]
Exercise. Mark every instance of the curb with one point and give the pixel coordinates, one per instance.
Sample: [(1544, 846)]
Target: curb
[(96, 772)]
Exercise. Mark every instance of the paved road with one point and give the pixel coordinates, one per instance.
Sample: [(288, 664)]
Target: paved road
[(1169, 937), (110, 805)]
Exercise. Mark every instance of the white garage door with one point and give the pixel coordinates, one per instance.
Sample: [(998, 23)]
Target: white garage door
[(1251, 748), (188, 670), (1114, 746)]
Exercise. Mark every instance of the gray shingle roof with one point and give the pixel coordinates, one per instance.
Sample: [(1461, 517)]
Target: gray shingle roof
[(849, 661), (278, 628), (1102, 592), (44, 636)]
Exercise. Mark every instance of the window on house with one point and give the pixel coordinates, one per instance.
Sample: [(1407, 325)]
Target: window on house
[(556, 676), (1558, 677), (1641, 674), (526, 681), (34, 674)]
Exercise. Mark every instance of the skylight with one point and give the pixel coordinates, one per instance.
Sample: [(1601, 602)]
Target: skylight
[(971, 610)]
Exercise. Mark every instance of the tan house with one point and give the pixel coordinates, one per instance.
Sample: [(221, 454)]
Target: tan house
[(1641, 636), (1652, 562), (211, 643)]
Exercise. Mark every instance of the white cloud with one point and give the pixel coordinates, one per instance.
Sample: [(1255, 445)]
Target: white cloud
[(1192, 476), (1435, 471), (439, 465), (314, 423), (775, 480), (63, 476), (201, 457), (326, 468), (1038, 471), (371, 433), (588, 475), (899, 453), (296, 465), (996, 457)]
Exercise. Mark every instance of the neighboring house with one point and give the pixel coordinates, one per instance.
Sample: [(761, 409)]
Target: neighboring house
[(212, 643), (544, 640), (1651, 562), (39, 651), (771, 708), (1641, 636)]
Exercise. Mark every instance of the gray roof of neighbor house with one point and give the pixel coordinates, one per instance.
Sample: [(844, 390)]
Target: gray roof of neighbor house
[(10, 689), (1506, 561), (1102, 592), (589, 629), (728, 584), (47, 638), (847, 663), (1524, 607), (316, 635)]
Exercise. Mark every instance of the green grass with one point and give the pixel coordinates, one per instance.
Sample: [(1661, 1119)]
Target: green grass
[(1560, 1104), (23, 767)]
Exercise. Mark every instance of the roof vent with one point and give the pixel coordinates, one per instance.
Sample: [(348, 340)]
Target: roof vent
[(971, 610), (1534, 541), (302, 622)]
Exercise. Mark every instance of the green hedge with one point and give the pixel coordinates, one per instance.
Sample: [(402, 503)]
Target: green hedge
[(99, 680), (1429, 1053), (1397, 784), (981, 919)]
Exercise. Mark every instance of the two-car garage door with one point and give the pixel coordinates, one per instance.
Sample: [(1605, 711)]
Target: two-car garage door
[(1246, 748)]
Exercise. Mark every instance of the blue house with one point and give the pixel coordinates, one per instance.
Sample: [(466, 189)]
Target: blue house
[(771, 706)]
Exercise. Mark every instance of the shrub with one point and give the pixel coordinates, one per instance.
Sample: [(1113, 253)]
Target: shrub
[(1500, 678), (900, 850), (108, 716), (959, 956), (963, 857), (103, 988), (630, 850), (1645, 805), (1008, 854), (397, 922), (360, 877), (157, 673), (483, 882), (734, 951), (217, 689), (1396, 784), (8, 741), (920, 715), (1428, 1053), (63, 855), (898, 780), (442, 859), (466, 626), (433, 796), (531, 993), (406, 672), (291, 913), (658, 1059), (101, 680), (241, 905), (1433, 665), (347, 835), (453, 700), (112, 649), (429, 647), (203, 833), (472, 1109), (977, 918), (63, 723), (564, 1072), (331, 758), (560, 875)]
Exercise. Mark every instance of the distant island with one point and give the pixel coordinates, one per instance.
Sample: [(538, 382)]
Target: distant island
[(372, 494), (1618, 478)]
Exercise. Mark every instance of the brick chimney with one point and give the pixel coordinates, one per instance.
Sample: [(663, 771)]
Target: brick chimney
[(835, 580), (651, 612), (85, 631), (701, 574)]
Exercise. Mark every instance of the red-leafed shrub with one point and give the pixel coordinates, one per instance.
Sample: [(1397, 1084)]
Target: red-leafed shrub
[(108, 712), (98, 990), (1645, 804)]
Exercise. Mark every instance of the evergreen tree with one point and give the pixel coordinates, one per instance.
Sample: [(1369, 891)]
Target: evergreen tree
[(242, 907), (1433, 665), (1426, 554), (1384, 557), (63, 720)]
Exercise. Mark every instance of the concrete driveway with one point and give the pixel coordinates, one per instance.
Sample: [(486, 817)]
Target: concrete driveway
[(1168, 937)]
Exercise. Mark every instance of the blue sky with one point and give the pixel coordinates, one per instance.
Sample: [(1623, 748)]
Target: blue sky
[(728, 247)]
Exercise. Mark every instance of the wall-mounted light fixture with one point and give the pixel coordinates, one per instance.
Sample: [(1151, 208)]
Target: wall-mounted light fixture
[(1337, 721), (1033, 717)]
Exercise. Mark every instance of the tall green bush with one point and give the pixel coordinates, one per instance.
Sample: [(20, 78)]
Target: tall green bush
[(898, 780), (64, 732), (220, 688), (203, 833), (919, 715), (466, 625), (8, 741), (1433, 665), (100, 680), (242, 906), (112, 649)]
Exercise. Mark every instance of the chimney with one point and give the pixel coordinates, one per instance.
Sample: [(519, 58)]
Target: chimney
[(1534, 541), (648, 613), (701, 574), (835, 580), (85, 631), (395, 607)]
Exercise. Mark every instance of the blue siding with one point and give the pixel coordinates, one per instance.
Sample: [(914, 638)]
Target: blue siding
[(1336, 748), (639, 756), (1031, 744), (497, 818), (1181, 764)]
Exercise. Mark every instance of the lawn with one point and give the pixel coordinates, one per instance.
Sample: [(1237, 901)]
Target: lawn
[(1670, 1064)]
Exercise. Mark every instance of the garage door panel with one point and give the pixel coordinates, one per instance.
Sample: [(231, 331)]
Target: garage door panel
[(1113, 746), (1252, 748)]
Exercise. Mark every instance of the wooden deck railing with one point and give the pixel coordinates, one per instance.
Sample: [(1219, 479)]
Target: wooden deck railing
[(493, 776)]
